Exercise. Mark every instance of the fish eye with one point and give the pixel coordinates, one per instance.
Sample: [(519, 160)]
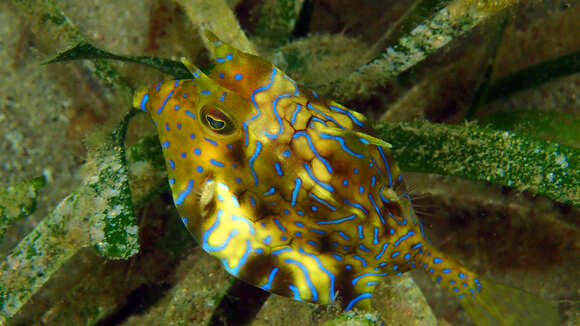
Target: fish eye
[(215, 123), (217, 119)]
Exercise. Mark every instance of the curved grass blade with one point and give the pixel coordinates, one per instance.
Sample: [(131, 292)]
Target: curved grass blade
[(84, 50), (500, 157)]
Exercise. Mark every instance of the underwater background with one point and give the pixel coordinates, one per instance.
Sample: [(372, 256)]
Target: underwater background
[(470, 91)]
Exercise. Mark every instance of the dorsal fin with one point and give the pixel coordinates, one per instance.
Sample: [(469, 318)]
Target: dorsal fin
[(235, 70)]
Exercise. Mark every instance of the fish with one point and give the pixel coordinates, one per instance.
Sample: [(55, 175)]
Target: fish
[(295, 193)]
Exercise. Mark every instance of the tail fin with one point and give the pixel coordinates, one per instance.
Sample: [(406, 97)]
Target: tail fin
[(487, 302), (499, 304)]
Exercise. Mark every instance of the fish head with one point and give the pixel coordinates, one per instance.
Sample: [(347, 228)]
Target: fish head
[(200, 128)]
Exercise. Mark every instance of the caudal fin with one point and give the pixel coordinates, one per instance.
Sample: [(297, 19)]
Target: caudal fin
[(498, 304), (489, 303)]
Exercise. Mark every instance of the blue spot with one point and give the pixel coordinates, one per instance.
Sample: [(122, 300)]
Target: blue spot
[(253, 159), (359, 258), (144, 101), (183, 155), (364, 141), (279, 251), (252, 201), (301, 213), (345, 182), (211, 141), (355, 171), (197, 151), (326, 116), (299, 234), (217, 163), (438, 279), (306, 277), (278, 168), (282, 228), (238, 180), (314, 208), (199, 169), (271, 191), (322, 201), (229, 57), (192, 136), (407, 256), (268, 239), (176, 107), (164, 102), (446, 271), (361, 189), (245, 220), (185, 193), (295, 114), (238, 76), (376, 236), (167, 127), (395, 254), (344, 236), (312, 243), (165, 144), (461, 296), (313, 149), (395, 267), (431, 270), (461, 275), (437, 260), (295, 191), (348, 266), (357, 205), (205, 92), (350, 115), (234, 271), (286, 212), (337, 257), (172, 164), (402, 238), (360, 232), (456, 290), (221, 75), (417, 245), (283, 238), (342, 143), (317, 231), (314, 94), (340, 220), (363, 248), (452, 282), (190, 114), (286, 153), (382, 251), (354, 281), (386, 165), (179, 126), (253, 98), (259, 251), (171, 181), (295, 291)]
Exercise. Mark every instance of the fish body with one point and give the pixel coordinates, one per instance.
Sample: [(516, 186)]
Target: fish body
[(291, 191)]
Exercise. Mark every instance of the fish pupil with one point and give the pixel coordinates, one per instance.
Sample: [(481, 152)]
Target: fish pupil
[(215, 123)]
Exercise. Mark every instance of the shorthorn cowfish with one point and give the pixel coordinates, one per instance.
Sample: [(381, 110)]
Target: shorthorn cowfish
[(296, 195)]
